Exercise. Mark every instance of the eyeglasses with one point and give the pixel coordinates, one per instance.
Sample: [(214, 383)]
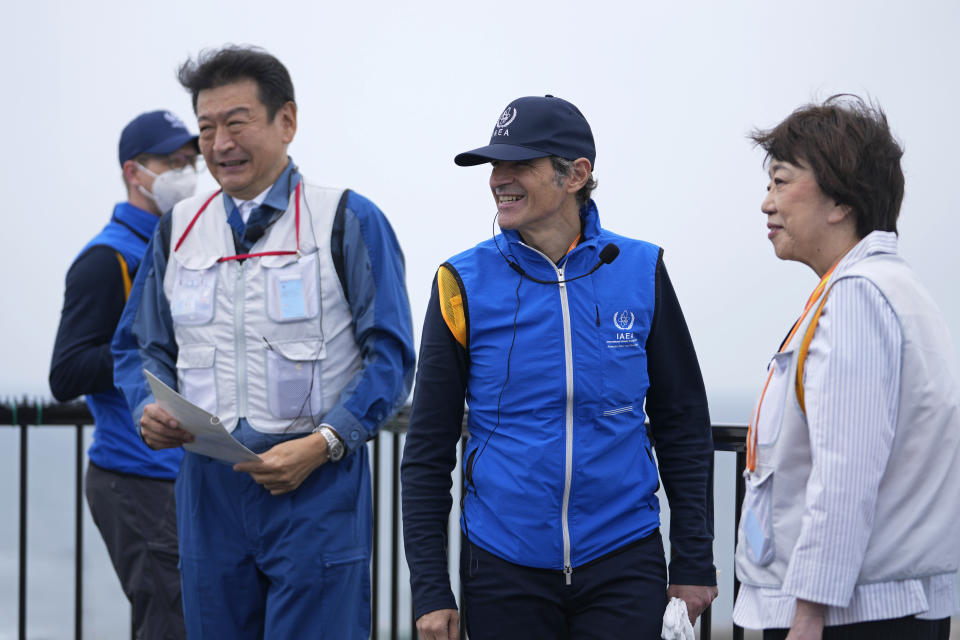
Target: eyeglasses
[(176, 160)]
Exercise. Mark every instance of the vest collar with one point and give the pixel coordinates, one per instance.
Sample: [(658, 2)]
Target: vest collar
[(139, 221), (589, 222)]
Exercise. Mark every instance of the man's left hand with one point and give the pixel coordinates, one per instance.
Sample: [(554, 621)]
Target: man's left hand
[(697, 597), (285, 466)]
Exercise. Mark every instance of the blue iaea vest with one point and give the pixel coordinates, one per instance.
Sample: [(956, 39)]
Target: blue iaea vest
[(558, 465), (116, 444)]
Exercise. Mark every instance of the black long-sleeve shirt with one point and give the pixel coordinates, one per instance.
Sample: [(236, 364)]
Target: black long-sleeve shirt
[(680, 427), (92, 303)]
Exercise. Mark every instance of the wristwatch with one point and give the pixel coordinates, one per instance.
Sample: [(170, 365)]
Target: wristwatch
[(335, 449)]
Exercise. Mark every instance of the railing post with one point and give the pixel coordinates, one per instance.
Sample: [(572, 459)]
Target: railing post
[(463, 538), (22, 579), (78, 539), (394, 543), (740, 492), (706, 623), (375, 597)]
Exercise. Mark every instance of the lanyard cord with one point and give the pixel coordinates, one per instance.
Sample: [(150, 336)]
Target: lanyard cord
[(247, 255), (752, 430), (194, 221)]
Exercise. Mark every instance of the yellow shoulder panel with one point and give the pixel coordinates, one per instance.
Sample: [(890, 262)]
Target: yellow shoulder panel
[(125, 272), (451, 305)]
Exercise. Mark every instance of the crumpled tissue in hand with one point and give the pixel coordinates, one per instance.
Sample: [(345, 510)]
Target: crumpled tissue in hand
[(676, 622)]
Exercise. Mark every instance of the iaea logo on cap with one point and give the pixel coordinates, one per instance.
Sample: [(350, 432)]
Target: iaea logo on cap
[(174, 120), (508, 116)]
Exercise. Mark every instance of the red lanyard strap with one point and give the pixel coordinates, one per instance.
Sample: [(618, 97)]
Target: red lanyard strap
[(194, 221), (244, 256)]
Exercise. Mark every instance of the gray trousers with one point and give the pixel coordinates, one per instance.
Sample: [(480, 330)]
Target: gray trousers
[(138, 521)]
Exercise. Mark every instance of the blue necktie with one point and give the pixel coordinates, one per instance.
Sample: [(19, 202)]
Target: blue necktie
[(260, 218)]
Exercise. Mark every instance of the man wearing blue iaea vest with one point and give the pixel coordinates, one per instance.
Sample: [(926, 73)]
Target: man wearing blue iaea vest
[(129, 487), (562, 337)]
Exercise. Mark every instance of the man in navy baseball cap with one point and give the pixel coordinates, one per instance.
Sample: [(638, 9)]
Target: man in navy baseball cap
[(158, 157), (562, 337)]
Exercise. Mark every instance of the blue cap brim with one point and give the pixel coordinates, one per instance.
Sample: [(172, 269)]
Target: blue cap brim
[(497, 152), (172, 144)]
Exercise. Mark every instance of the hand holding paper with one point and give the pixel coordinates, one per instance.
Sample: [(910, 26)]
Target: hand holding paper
[(209, 437), (160, 430)]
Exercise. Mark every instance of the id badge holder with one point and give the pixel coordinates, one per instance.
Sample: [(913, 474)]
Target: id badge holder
[(293, 305)]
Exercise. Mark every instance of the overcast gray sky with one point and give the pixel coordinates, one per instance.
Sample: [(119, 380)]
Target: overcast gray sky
[(389, 92)]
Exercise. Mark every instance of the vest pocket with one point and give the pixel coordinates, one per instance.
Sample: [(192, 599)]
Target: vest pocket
[(293, 290), (293, 378), (198, 383), (194, 292), (770, 410), (756, 523)]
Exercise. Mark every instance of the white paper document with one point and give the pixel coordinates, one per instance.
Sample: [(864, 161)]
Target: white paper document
[(212, 439)]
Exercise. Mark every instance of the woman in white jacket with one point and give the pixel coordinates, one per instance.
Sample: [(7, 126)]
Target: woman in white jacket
[(850, 524)]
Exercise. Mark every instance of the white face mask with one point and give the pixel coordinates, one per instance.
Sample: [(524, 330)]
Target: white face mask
[(170, 187)]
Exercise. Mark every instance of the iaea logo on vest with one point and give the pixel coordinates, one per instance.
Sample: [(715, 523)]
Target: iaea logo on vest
[(623, 320)]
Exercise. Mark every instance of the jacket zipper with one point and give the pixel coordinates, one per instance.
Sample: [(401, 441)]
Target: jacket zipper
[(568, 420), (568, 417)]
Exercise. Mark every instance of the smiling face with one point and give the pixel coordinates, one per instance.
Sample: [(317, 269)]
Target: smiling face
[(244, 150), (528, 197), (804, 223)]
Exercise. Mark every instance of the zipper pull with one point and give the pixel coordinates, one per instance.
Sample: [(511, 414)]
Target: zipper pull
[(598, 314), (568, 574)]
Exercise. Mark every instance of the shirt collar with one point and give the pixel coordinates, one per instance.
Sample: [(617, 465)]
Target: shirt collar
[(276, 196), (873, 243)]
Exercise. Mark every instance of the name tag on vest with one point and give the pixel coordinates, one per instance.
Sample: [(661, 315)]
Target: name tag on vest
[(292, 303)]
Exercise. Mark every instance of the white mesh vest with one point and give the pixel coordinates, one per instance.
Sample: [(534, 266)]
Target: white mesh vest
[(269, 338), (917, 524)]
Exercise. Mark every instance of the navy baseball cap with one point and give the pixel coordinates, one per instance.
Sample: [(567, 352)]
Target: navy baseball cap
[(156, 132), (535, 127)]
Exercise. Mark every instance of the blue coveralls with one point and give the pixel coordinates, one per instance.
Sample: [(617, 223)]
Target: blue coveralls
[(256, 565)]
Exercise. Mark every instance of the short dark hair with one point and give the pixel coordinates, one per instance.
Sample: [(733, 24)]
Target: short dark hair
[(218, 67), (562, 168), (855, 159)]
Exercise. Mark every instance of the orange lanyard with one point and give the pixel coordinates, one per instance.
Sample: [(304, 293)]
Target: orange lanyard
[(752, 430), (244, 256)]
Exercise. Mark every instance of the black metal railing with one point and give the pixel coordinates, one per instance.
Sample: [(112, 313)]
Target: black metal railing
[(24, 414)]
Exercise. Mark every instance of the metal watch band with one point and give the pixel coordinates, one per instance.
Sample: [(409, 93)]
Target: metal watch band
[(335, 449)]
